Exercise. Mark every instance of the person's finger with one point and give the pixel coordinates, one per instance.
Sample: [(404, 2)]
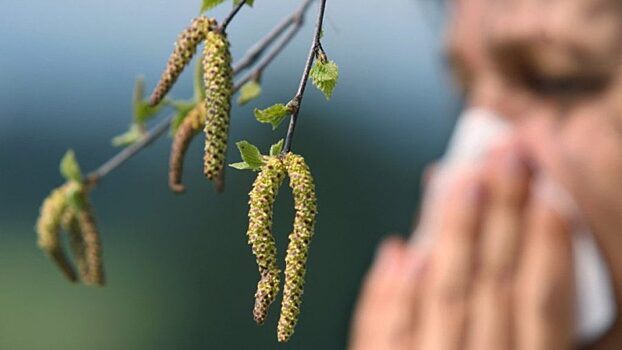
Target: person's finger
[(545, 283), (589, 168), (427, 179), (384, 314), (444, 304), (507, 182)]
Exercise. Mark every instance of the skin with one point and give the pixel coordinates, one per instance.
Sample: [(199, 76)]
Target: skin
[(557, 40), (575, 138), (501, 248), (583, 150), (412, 302)]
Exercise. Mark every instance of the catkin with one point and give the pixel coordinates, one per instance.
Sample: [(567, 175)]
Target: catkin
[(305, 204), (262, 197), (76, 241), (48, 230), (185, 48), (92, 246), (192, 124), (218, 77)]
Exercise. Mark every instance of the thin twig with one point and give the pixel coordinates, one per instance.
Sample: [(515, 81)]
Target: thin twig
[(160, 128), (231, 15), (256, 73), (258, 48), (297, 100), (130, 151)]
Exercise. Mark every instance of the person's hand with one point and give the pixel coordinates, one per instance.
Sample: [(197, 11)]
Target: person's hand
[(499, 277)]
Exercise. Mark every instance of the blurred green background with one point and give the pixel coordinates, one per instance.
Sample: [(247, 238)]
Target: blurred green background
[(180, 273)]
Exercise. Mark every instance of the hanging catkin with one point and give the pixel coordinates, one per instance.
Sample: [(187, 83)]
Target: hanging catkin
[(192, 124), (218, 89), (48, 230), (305, 204), (262, 197), (185, 48), (76, 241), (92, 245)]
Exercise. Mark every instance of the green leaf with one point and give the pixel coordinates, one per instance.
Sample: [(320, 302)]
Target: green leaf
[(210, 4), (75, 197), (250, 155), (133, 134), (241, 166), (273, 115), (182, 108), (276, 148), (199, 87), (248, 2), (139, 90), (249, 91), (142, 110), (324, 76), (69, 167)]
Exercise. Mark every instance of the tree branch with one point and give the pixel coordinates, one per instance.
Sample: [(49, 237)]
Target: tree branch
[(256, 73), (257, 50), (297, 100), (128, 152), (229, 18), (248, 60)]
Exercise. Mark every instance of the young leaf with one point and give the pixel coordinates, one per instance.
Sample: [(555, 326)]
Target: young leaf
[(75, 196), (139, 90), (182, 108), (248, 2), (69, 167), (133, 134), (273, 115), (249, 92), (209, 4), (276, 148), (142, 110), (324, 76), (250, 155), (199, 86), (241, 166)]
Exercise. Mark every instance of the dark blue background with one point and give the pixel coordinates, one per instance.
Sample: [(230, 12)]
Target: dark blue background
[(181, 275)]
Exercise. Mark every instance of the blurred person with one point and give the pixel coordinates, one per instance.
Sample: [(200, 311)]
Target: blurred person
[(500, 273)]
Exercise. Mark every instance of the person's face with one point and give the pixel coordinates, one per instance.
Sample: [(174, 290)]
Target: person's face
[(508, 53)]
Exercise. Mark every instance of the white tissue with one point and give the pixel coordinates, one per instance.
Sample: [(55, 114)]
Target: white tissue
[(477, 131)]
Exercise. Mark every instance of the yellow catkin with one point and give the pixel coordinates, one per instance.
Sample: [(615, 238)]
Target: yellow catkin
[(76, 241), (92, 245), (48, 230), (193, 123), (185, 48), (218, 77), (305, 204), (262, 197)]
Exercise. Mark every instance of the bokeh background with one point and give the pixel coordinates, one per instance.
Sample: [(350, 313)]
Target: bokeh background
[(180, 273)]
